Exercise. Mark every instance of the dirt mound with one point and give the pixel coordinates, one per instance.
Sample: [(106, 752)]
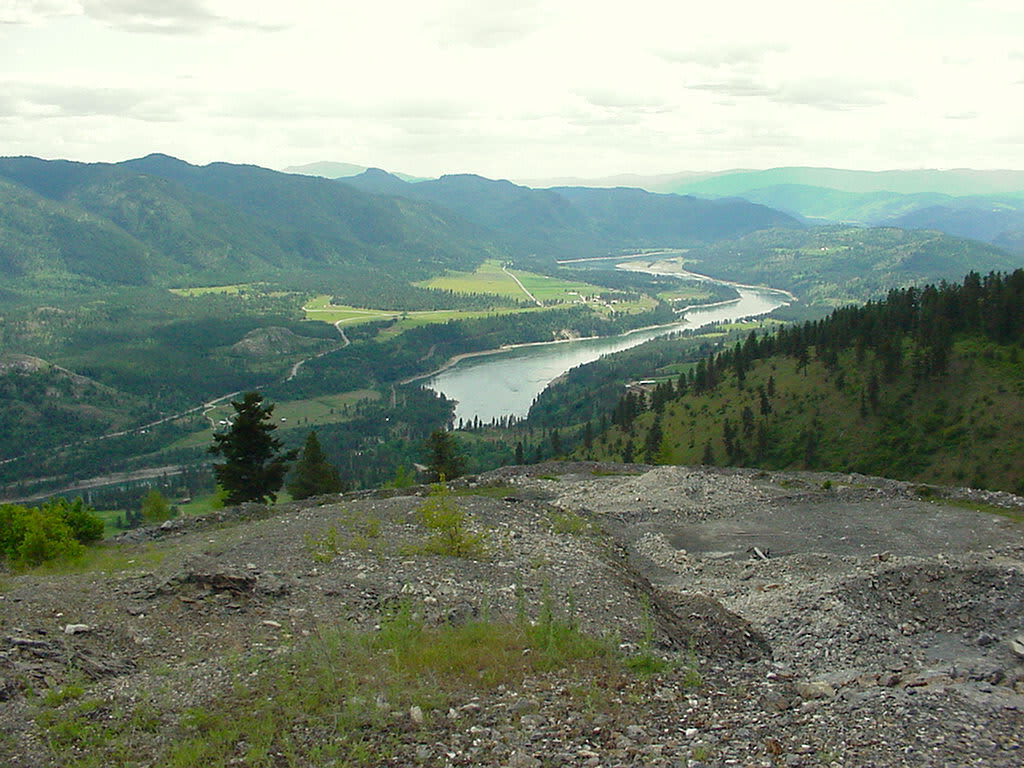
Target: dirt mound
[(941, 598), (273, 340)]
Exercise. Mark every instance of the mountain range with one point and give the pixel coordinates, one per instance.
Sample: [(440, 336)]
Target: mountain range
[(157, 220), (986, 205)]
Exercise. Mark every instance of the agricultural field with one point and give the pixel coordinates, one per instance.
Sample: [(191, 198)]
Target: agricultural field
[(688, 293), (489, 277), (238, 289)]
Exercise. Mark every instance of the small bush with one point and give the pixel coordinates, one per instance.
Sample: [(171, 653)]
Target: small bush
[(155, 508), (324, 547), (442, 514), (57, 530)]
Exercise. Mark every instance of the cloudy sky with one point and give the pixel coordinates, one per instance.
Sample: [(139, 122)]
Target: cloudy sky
[(518, 88)]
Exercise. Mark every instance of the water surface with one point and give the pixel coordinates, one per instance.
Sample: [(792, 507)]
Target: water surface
[(506, 382)]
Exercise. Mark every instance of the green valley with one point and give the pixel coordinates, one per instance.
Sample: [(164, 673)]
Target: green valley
[(152, 289)]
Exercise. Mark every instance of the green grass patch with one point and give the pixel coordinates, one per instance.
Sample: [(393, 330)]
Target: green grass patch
[(346, 696), (338, 697), (355, 532), (451, 535), (321, 309), (570, 522), (489, 277), (106, 558), (980, 506)]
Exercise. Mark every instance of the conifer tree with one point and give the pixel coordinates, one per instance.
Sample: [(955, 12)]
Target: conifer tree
[(709, 454), (444, 458), (254, 467), (313, 474)]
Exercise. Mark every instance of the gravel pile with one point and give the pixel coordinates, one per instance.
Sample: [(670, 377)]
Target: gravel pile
[(811, 620)]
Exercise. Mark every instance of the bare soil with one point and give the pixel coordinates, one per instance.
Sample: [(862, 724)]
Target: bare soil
[(831, 619)]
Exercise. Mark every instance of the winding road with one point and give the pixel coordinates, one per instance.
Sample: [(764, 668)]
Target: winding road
[(205, 409)]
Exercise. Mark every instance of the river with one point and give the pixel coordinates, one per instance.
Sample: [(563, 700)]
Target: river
[(506, 382)]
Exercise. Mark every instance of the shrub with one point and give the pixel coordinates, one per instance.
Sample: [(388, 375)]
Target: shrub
[(85, 526), (442, 514), (56, 530), (46, 537), (155, 508)]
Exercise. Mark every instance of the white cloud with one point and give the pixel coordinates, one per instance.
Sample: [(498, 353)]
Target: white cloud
[(548, 87), (726, 54), (35, 11), (146, 16), (477, 25)]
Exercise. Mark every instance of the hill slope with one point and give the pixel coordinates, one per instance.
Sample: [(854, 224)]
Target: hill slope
[(161, 221), (570, 221), (592, 626), (925, 385), (841, 264)]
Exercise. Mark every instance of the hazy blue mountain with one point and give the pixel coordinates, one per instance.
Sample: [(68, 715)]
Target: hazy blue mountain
[(653, 219), (955, 182), (992, 218), (662, 182), (331, 170), (998, 224), (821, 204)]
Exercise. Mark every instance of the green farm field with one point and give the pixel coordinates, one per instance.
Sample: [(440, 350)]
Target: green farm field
[(489, 277)]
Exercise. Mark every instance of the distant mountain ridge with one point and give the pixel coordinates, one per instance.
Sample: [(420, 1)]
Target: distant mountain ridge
[(987, 205), (332, 170), (550, 223), (161, 221)]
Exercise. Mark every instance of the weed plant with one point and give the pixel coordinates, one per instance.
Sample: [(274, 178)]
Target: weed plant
[(451, 534)]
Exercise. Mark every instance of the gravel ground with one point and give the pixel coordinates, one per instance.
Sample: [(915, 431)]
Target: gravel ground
[(831, 619)]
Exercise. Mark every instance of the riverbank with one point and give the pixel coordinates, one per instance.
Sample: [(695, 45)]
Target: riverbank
[(491, 384)]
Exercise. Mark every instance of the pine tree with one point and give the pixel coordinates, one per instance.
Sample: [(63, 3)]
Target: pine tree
[(652, 443), (313, 475), (709, 454), (254, 467), (444, 459)]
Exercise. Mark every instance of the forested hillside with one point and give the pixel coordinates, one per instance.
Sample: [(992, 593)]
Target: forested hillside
[(545, 224), (927, 384), (70, 226), (836, 265)]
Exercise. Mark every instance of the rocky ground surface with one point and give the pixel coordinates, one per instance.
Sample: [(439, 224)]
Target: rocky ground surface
[(814, 619)]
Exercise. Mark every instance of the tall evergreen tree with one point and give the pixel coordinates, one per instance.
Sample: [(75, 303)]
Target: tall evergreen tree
[(444, 458), (709, 454), (254, 467), (313, 474), (652, 443)]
